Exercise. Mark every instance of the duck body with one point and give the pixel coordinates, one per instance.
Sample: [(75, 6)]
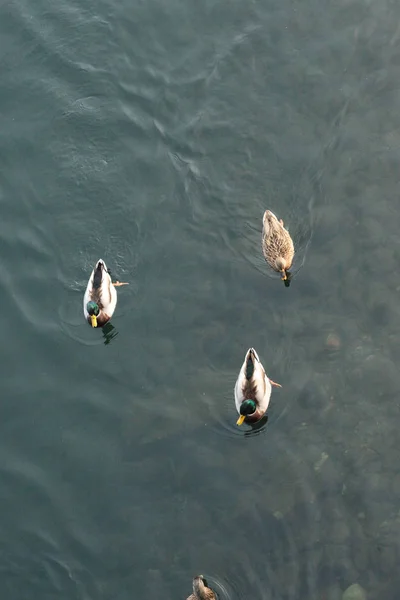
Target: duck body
[(201, 591), (253, 389), (101, 293), (277, 245)]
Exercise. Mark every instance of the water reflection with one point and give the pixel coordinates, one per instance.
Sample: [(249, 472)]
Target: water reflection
[(226, 426), (109, 333), (288, 279), (257, 428), (318, 142)]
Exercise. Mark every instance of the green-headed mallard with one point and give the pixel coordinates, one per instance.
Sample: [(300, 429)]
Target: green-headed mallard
[(201, 591), (100, 298), (277, 245), (252, 389)]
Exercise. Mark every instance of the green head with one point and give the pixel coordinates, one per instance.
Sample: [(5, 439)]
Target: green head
[(94, 311), (248, 407)]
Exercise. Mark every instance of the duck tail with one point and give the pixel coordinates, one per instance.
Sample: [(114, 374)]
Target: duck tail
[(250, 366), (98, 274)]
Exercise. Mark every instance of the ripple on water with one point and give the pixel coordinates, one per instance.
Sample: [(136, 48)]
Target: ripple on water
[(222, 409), (225, 417), (74, 325), (31, 293), (47, 570), (85, 335), (264, 573), (298, 481), (249, 245), (33, 557), (70, 310)]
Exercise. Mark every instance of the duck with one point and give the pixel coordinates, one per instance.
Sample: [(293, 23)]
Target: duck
[(201, 591), (253, 389), (277, 245), (100, 297)]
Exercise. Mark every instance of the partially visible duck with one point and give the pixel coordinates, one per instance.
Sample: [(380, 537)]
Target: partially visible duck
[(201, 591)]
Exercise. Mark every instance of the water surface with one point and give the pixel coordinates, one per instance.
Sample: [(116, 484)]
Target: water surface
[(154, 136)]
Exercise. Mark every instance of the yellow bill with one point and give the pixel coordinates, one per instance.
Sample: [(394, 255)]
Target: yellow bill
[(240, 420), (93, 319)]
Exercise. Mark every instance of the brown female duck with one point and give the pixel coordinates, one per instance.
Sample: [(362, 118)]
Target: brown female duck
[(277, 245), (201, 591)]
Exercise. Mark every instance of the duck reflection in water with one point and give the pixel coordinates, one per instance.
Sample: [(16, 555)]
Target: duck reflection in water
[(286, 281), (258, 427), (109, 333)]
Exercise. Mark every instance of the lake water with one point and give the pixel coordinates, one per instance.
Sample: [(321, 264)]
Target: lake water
[(154, 135)]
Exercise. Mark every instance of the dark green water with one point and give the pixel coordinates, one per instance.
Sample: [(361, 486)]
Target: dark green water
[(154, 135)]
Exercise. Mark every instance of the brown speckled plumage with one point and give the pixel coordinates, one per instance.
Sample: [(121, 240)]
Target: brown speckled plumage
[(277, 245), (201, 591)]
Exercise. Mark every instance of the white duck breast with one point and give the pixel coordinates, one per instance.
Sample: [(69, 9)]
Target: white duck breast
[(102, 292), (252, 382)]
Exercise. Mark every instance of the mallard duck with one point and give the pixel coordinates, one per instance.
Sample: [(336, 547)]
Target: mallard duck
[(277, 245), (201, 591), (100, 298), (252, 389)]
